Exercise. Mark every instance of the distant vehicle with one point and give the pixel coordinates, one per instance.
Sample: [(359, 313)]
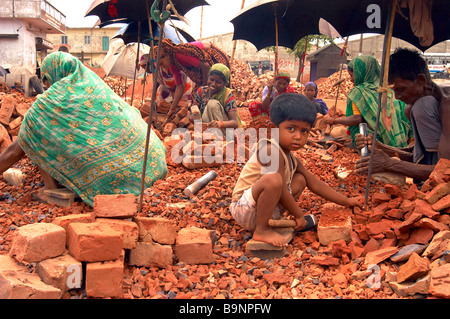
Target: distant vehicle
[(438, 64)]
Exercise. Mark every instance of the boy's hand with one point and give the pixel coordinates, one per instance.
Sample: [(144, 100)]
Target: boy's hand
[(301, 223), (355, 201)]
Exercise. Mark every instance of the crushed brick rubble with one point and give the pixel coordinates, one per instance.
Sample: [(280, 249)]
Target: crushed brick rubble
[(190, 247)]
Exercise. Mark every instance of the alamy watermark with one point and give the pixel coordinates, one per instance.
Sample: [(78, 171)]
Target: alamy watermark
[(221, 146)]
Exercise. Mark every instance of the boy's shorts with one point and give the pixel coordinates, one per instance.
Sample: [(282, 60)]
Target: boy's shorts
[(244, 211)]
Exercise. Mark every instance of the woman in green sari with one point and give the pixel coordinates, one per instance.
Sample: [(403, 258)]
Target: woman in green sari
[(85, 137), (362, 105)]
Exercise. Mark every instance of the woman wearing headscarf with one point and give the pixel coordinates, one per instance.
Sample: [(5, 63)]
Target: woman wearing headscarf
[(185, 67), (84, 136), (311, 93), (362, 105), (280, 85), (216, 101)]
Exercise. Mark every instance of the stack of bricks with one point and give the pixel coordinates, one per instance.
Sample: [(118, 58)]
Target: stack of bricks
[(90, 251), (12, 110)]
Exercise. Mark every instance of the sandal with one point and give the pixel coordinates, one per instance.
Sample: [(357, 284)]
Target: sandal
[(311, 223)]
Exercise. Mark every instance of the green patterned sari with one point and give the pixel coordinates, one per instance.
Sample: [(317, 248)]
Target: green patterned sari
[(366, 72), (85, 136)]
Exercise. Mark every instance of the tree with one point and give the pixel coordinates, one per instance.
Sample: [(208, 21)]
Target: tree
[(301, 45)]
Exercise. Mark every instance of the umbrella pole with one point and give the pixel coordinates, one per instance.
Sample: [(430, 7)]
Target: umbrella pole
[(137, 61), (382, 97), (276, 38), (235, 41), (153, 104), (340, 77)]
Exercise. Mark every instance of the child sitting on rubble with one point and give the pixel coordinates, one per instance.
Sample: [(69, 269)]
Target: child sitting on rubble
[(273, 178), (216, 102)]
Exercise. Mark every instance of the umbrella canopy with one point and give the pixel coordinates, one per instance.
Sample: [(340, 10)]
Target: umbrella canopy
[(129, 33), (370, 16), (134, 10), (121, 59), (256, 23)]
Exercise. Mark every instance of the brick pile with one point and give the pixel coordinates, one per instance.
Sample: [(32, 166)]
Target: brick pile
[(91, 250), (13, 107)]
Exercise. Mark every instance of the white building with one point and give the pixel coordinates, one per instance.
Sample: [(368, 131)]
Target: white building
[(24, 25)]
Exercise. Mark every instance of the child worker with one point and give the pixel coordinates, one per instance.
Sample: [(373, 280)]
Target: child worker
[(280, 85), (216, 102), (273, 178)]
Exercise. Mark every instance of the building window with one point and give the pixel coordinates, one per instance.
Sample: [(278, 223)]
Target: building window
[(105, 43), (64, 39), (87, 39)]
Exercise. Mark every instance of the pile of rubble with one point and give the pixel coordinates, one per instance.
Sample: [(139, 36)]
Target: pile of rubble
[(327, 88)]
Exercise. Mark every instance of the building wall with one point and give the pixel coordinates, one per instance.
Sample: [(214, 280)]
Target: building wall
[(245, 51), (93, 52)]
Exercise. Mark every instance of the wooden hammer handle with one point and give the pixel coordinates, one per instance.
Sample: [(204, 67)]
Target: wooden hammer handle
[(278, 223)]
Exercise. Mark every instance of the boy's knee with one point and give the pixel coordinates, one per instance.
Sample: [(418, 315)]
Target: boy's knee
[(272, 181), (298, 184)]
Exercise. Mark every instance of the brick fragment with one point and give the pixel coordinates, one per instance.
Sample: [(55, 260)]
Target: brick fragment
[(36, 242), (94, 242), (194, 246), (437, 193), (115, 206), (440, 281), (377, 256), (442, 203), (416, 267)]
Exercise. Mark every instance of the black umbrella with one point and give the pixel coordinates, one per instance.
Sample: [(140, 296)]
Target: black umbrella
[(351, 17), (130, 33), (270, 22), (134, 10)]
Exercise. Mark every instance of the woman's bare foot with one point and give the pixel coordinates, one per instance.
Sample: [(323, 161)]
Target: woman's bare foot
[(269, 236)]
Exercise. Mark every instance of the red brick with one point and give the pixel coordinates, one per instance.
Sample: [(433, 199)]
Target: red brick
[(438, 175), (413, 269), (431, 224), (380, 197), (371, 245), (129, 229), (7, 108), (63, 272), (435, 245), (36, 242), (440, 281), (194, 246), (23, 285), (377, 256), (393, 190), (334, 225), (420, 236), (409, 222), (94, 242), (437, 193), (325, 260), (424, 208), (377, 228), (104, 279), (115, 206), (65, 221), (10, 264), (410, 194), (442, 204), (151, 254), (156, 229)]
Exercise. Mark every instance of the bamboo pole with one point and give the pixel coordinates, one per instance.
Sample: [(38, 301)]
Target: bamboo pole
[(276, 38), (153, 105), (382, 97), (137, 61), (235, 41), (340, 77), (201, 23)]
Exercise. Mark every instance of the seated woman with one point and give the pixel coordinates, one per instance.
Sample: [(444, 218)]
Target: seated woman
[(84, 136), (311, 93), (362, 105), (216, 101), (280, 85)]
